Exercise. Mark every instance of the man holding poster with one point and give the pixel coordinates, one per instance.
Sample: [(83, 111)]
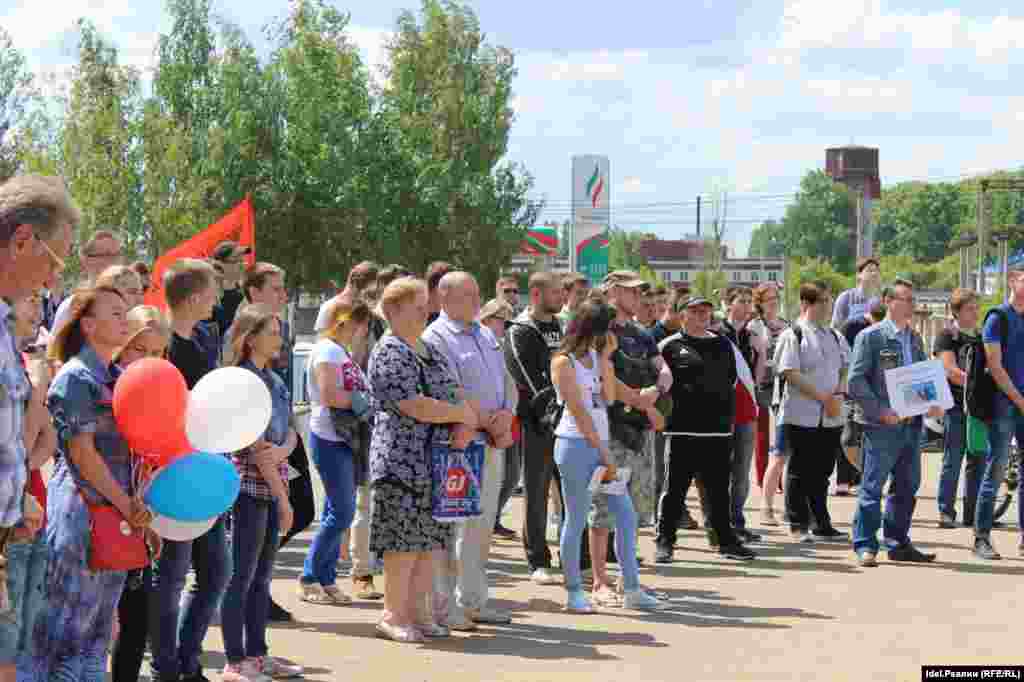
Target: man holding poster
[(892, 444)]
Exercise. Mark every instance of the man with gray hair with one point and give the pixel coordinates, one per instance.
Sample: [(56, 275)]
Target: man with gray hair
[(37, 224), (478, 363)]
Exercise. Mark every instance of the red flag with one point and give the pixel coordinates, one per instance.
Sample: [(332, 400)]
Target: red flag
[(238, 225)]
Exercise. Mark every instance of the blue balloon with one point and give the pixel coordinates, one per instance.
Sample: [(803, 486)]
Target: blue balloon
[(196, 487)]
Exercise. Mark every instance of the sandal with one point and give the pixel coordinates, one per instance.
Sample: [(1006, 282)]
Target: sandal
[(433, 630), (606, 597), (314, 593), (406, 635)]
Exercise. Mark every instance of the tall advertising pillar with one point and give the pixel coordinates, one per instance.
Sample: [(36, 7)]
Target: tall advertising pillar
[(591, 215)]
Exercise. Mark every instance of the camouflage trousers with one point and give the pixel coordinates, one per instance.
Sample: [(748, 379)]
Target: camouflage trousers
[(641, 483)]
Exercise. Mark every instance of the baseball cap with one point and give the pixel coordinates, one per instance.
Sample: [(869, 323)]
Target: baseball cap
[(623, 278), (694, 301), (228, 250)]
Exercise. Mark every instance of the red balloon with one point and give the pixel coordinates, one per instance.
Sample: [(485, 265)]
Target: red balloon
[(150, 400), (517, 433)]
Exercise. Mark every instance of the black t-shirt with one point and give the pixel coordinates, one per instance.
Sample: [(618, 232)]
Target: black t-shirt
[(854, 327), (191, 359), (956, 341)]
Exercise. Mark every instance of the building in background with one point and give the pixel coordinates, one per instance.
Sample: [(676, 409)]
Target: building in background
[(857, 168), (677, 263)]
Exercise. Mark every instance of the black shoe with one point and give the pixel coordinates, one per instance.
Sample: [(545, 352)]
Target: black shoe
[(831, 534), (737, 552), (662, 554), (503, 532), (983, 549), (745, 536), (910, 554), (278, 614)]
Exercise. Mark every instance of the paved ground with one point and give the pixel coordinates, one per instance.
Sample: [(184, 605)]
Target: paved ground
[(797, 613)]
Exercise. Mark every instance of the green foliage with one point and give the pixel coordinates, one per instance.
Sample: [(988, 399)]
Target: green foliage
[(709, 284), (919, 220), (624, 249), (800, 270)]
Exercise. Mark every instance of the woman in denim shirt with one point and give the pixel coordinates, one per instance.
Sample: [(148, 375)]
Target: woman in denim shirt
[(94, 464), (262, 512)]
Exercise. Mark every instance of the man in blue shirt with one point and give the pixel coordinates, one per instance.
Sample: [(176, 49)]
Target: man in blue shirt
[(892, 444), (478, 363), (1003, 336)]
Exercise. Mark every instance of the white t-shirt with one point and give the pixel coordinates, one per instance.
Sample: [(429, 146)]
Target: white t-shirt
[(350, 378), (589, 381)]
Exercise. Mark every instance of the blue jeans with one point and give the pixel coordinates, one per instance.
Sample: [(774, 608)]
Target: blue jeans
[(255, 532), (576, 462), (952, 457), (333, 460), (1008, 422), (742, 457), (178, 629), (26, 586), (895, 451)]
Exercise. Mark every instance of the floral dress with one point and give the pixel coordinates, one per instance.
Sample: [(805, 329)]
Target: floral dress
[(70, 639), (399, 465)]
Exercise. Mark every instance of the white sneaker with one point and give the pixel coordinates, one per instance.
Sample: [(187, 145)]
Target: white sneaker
[(277, 669), (543, 576), (246, 671), (639, 600)]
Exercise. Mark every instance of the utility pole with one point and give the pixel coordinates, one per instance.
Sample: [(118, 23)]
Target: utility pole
[(698, 215)]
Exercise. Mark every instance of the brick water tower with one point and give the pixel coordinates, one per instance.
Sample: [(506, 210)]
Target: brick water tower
[(857, 168)]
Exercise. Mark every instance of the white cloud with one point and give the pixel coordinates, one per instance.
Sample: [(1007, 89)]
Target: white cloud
[(34, 24), (868, 24)]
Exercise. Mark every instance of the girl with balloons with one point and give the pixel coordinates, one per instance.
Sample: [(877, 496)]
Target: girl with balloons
[(148, 335), (94, 479), (262, 512)]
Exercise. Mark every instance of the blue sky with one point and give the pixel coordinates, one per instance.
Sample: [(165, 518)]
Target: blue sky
[(689, 98)]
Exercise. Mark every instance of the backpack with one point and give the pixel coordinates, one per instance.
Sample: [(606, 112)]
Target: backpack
[(980, 389), (779, 391)]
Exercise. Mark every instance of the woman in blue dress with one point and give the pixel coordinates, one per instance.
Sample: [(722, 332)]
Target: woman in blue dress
[(94, 464)]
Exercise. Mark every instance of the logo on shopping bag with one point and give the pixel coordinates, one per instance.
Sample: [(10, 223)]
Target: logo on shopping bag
[(457, 484)]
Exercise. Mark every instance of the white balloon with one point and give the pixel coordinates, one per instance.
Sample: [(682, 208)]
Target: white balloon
[(229, 409), (180, 531)]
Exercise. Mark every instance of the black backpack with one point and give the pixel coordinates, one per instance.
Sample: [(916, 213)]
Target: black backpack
[(981, 390), (779, 391)]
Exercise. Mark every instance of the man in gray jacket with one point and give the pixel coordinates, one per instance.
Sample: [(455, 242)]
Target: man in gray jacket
[(892, 444)]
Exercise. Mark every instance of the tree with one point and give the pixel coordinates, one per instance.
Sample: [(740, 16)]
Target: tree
[(624, 249), (101, 155), (446, 106), (918, 219), (17, 93), (709, 284), (766, 241), (817, 224), (800, 270)]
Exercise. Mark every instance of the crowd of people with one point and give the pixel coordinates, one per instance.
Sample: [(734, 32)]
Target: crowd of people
[(569, 392)]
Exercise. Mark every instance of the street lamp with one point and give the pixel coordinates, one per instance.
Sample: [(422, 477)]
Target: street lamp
[(964, 243)]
